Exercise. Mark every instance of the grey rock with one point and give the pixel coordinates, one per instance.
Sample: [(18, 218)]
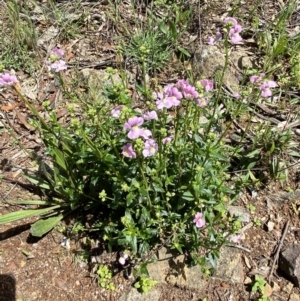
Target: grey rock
[(210, 59), (288, 288), (159, 269), (134, 295), (175, 271), (49, 34), (294, 297), (229, 266), (98, 78), (289, 263), (241, 212)]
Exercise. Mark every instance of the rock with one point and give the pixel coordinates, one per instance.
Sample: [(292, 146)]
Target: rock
[(287, 288), (174, 270), (98, 78), (275, 286), (241, 212), (289, 263), (195, 278), (49, 34), (268, 290), (158, 270), (242, 61), (230, 266), (210, 60), (134, 295), (294, 297)]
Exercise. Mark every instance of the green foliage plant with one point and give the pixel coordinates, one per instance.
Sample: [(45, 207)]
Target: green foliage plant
[(68, 17), (19, 43), (144, 284), (152, 177), (259, 286), (104, 277)]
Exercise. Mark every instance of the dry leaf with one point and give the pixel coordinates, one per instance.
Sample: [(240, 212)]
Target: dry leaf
[(10, 108), (270, 226), (247, 262), (23, 120)]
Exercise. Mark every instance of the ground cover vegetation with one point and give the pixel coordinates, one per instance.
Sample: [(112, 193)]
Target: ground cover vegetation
[(160, 169)]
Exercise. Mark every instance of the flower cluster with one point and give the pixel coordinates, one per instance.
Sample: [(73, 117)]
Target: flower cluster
[(55, 62), (265, 86), (133, 125), (205, 86), (7, 80), (234, 32), (171, 96)]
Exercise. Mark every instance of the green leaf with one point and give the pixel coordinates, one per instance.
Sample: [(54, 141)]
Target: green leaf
[(184, 51), (188, 196), (14, 216), (173, 29), (43, 226), (37, 181), (31, 202), (253, 153), (59, 158), (272, 147)]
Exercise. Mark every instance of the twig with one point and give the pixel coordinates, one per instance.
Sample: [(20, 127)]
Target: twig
[(239, 247), (199, 25), (278, 249)]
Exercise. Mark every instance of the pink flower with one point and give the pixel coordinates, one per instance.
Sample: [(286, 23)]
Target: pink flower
[(57, 53), (116, 111), (266, 86), (199, 220), (216, 38), (128, 151), (150, 115), (236, 95), (172, 91), (166, 102), (234, 34), (181, 84), (163, 101), (169, 98), (132, 125), (202, 102), (7, 80), (150, 148), (207, 84), (167, 139), (231, 21), (189, 92), (58, 66), (256, 78), (236, 238)]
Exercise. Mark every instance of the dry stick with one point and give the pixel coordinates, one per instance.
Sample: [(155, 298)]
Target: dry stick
[(199, 24), (278, 249)]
